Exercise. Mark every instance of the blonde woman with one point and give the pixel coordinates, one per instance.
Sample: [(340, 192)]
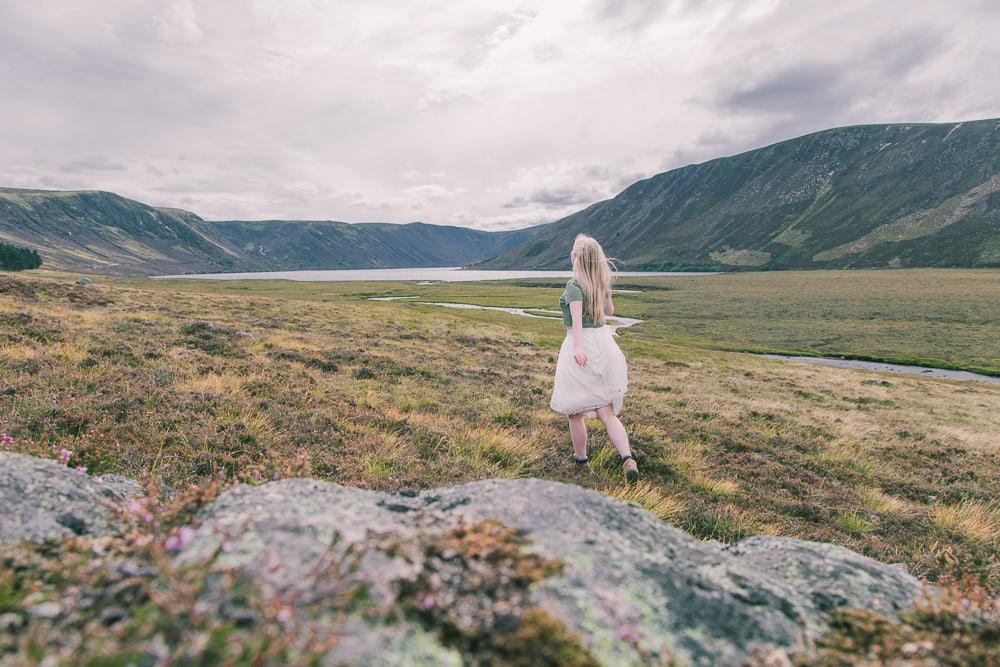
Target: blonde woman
[(591, 373)]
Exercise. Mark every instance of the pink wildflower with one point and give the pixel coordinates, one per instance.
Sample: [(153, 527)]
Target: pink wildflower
[(6, 440), (284, 615), (64, 456), (137, 508), (628, 634), (180, 539), (425, 602), (81, 469)]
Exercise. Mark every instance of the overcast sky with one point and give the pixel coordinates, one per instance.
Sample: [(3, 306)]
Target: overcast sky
[(493, 115)]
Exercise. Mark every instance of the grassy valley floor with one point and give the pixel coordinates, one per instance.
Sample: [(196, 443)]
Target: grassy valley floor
[(157, 378)]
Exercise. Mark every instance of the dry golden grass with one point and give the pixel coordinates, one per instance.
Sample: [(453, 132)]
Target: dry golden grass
[(650, 497), (972, 519), (230, 384), (389, 395), (17, 351), (875, 500), (715, 488)]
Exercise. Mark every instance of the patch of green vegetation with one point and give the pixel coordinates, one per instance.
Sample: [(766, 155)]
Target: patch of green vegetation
[(16, 258), (854, 524)]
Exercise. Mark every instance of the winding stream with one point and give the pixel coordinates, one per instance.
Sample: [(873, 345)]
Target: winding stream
[(941, 373), (622, 322), (616, 322)]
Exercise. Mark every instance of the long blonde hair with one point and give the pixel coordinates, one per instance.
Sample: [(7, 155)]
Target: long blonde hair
[(593, 270)]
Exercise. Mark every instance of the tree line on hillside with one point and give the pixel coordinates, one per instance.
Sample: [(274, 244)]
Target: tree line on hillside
[(16, 258)]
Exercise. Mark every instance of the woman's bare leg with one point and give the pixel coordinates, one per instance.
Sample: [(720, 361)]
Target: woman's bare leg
[(578, 434), (616, 431)]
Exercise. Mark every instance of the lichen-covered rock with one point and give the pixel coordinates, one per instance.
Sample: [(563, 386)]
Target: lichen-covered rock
[(629, 588), (40, 498)]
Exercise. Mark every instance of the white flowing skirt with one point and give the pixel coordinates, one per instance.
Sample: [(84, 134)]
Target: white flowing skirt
[(603, 381)]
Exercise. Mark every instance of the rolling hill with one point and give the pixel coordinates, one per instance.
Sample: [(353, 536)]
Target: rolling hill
[(915, 195), (102, 232)]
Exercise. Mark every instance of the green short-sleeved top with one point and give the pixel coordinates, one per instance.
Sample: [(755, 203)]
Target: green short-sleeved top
[(574, 292)]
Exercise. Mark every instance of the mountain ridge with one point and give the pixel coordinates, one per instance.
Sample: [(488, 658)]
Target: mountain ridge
[(877, 195), (95, 231)]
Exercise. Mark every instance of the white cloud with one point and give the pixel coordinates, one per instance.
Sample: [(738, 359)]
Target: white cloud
[(488, 114)]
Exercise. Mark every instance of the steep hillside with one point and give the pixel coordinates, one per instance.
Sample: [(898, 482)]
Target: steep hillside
[(864, 196), (101, 232), (293, 245)]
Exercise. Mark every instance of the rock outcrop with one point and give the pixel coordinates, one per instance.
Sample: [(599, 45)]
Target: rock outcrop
[(630, 586), (492, 566), (41, 498)]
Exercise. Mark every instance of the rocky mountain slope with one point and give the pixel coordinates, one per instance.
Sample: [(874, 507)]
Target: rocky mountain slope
[(866, 196), (509, 571), (101, 232)]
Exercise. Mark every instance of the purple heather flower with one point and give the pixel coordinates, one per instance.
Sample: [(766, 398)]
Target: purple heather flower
[(180, 539), (6, 440), (138, 509), (628, 633), (64, 456), (425, 602)]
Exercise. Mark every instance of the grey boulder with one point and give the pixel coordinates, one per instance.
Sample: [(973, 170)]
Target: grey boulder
[(40, 498), (632, 588)]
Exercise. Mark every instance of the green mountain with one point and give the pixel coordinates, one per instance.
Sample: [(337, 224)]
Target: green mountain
[(101, 232), (297, 245), (863, 196)]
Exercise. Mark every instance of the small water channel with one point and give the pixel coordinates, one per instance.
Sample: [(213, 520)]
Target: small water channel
[(615, 321), (923, 371)]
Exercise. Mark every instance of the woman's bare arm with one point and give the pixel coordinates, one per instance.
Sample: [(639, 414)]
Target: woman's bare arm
[(609, 306), (576, 312)]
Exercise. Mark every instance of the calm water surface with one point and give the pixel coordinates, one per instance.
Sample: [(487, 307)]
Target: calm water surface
[(440, 274)]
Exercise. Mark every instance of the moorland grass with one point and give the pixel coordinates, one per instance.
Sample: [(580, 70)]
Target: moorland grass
[(394, 395)]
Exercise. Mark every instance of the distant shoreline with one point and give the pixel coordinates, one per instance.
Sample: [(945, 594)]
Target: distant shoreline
[(434, 274)]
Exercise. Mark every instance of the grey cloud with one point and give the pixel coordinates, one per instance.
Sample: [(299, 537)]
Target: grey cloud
[(631, 14), (898, 55), (552, 198), (824, 87), (91, 164), (805, 85)]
